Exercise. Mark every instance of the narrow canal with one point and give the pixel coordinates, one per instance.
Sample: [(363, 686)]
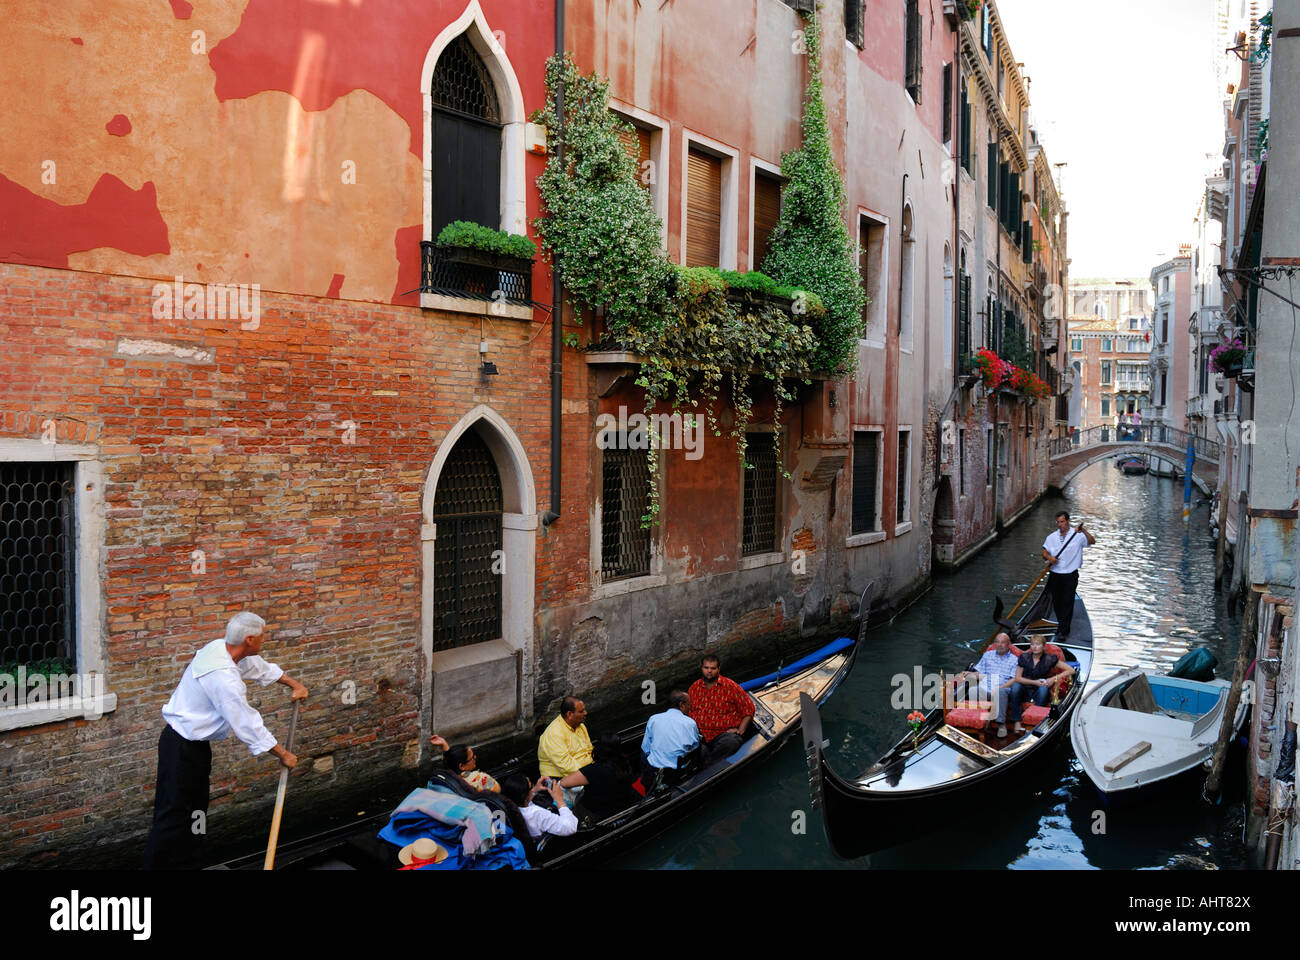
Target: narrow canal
[(1149, 588)]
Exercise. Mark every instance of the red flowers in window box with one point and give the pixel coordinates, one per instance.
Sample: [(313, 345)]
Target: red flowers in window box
[(996, 372)]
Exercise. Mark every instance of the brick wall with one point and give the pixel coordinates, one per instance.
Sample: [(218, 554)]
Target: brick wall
[(242, 456)]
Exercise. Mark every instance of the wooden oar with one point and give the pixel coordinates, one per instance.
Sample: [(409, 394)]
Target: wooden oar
[(279, 796), (1046, 570)]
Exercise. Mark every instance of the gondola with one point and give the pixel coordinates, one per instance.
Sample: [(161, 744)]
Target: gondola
[(1133, 466), (777, 698), (943, 771)]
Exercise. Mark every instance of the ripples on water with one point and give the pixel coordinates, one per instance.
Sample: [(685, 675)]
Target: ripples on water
[(1149, 588)]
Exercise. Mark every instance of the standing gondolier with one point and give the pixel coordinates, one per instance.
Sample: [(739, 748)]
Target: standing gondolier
[(1063, 551), (208, 704)]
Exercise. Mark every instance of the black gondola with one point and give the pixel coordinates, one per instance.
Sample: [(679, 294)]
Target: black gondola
[(942, 772), (777, 700)]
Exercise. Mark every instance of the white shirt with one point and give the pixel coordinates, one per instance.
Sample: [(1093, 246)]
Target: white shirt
[(541, 821), (210, 701), (1071, 558)]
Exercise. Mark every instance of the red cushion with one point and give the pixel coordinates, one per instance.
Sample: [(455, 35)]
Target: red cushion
[(1031, 714), (969, 717)]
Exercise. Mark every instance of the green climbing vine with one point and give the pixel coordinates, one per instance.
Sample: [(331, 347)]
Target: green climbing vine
[(810, 247), (700, 332)]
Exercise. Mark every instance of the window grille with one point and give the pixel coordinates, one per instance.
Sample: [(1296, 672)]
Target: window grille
[(468, 562), (461, 83), (625, 491), (37, 564), (759, 521)]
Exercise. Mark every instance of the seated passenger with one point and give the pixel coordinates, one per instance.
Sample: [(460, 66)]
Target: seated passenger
[(460, 759), (565, 746), (720, 708), (517, 788), (995, 673), (606, 782), (669, 736), (1034, 678)]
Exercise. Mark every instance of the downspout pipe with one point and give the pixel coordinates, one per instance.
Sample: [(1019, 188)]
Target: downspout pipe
[(557, 298)]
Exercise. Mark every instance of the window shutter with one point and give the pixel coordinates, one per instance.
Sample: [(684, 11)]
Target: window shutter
[(637, 144), (993, 176), (963, 315), (947, 102), (866, 450), (853, 21), (767, 211), (703, 209), (912, 60)]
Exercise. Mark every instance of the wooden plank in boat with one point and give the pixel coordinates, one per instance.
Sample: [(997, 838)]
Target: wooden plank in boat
[(1128, 756)]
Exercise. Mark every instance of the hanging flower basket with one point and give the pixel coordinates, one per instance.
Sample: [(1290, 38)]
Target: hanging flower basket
[(1228, 358)]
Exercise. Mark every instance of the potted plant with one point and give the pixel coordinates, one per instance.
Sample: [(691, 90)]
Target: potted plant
[(969, 9), (480, 246), (1227, 358)]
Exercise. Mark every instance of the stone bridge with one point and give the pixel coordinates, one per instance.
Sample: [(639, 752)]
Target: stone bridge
[(1070, 456)]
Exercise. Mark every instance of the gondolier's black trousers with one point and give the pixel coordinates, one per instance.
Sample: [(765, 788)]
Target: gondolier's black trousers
[(1062, 587), (176, 839)]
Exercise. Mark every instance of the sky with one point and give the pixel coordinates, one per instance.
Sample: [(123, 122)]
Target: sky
[(1124, 92)]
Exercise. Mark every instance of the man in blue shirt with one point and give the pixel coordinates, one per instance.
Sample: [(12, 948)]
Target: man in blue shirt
[(996, 672), (670, 735)]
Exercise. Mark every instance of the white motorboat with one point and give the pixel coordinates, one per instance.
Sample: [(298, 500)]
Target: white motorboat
[(1140, 727)]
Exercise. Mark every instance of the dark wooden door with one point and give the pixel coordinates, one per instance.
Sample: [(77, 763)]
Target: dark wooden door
[(466, 170)]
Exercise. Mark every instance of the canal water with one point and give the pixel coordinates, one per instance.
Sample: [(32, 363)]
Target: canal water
[(1149, 588)]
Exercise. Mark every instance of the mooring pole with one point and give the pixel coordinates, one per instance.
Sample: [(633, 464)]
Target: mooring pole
[(1245, 654)]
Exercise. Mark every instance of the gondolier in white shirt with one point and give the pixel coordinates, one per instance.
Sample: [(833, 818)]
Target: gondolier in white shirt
[(207, 705), (1063, 550)]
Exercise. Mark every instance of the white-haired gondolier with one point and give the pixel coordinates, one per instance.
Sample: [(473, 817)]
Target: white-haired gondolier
[(1063, 550), (208, 704)]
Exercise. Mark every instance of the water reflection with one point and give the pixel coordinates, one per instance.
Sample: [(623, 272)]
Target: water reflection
[(1149, 587)]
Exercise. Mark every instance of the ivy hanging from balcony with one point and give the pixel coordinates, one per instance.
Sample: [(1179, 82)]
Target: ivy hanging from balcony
[(810, 247), (598, 223)]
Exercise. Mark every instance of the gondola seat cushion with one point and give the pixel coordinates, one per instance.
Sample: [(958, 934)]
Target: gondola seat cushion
[(973, 717)]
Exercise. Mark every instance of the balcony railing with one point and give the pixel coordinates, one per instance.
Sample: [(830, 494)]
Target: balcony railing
[(475, 275)]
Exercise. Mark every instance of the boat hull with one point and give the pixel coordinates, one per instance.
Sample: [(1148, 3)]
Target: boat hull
[(357, 847), (941, 773), (1156, 751)]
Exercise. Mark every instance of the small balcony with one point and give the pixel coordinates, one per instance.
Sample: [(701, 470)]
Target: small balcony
[(464, 280)]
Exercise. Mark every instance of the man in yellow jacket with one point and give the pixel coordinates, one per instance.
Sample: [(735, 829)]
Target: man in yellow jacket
[(565, 747)]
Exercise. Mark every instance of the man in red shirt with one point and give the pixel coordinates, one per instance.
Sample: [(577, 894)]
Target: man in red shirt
[(720, 708)]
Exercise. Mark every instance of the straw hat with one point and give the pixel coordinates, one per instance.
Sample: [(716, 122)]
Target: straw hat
[(421, 852)]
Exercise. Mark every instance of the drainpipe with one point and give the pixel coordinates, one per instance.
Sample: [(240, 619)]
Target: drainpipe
[(557, 297)]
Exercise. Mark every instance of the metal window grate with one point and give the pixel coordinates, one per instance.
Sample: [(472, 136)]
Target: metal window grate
[(462, 84), (37, 563), (624, 539), (447, 272), (758, 529), (866, 454), (468, 564)]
